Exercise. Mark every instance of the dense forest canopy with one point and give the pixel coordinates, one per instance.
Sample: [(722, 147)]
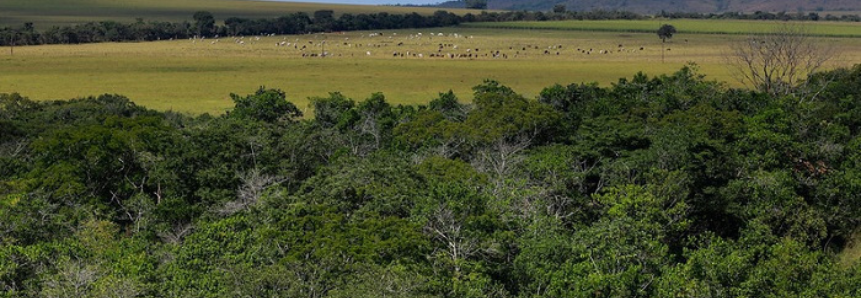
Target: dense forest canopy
[(653, 187)]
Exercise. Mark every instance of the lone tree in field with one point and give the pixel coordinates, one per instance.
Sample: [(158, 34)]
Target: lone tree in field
[(476, 4), (665, 32), (778, 61)]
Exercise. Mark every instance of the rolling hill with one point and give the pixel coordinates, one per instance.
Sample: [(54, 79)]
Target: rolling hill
[(704, 6)]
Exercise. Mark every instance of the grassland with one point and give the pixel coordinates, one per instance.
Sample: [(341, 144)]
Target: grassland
[(46, 13), (689, 26), (198, 76)]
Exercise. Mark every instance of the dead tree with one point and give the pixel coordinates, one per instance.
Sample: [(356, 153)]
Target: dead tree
[(447, 227), (779, 62)]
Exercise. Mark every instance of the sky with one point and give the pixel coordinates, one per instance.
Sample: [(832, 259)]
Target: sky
[(372, 2)]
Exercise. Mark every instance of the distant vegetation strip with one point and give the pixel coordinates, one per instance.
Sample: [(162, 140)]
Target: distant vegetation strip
[(48, 13), (827, 29), (205, 25)]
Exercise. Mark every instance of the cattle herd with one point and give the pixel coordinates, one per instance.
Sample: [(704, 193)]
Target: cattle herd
[(414, 46)]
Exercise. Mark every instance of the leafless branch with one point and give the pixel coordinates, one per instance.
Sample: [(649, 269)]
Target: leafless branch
[(779, 61), (254, 186), (177, 233)]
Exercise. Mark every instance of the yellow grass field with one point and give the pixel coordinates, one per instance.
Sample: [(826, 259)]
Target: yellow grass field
[(197, 76)]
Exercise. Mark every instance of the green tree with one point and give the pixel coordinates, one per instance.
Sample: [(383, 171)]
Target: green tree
[(448, 105), (621, 254), (204, 23), (665, 32), (267, 105)]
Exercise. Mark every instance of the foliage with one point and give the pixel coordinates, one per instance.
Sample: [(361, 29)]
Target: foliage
[(653, 187), (267, 105), (666, 32), (204, 23)]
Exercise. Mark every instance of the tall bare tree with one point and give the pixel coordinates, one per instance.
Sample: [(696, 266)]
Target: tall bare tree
[(778, 62), (447, 227)]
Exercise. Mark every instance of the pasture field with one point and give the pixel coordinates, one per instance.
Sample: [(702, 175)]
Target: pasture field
[(197, 76), (689, 26), (46, 13)]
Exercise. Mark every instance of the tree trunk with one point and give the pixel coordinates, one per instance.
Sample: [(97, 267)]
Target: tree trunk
[(663, 46)]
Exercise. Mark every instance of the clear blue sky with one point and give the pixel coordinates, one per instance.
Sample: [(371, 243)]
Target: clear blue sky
[(371, 2)]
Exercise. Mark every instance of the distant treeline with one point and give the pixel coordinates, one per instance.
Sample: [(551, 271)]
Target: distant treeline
[(204, 24), (761, 15)]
